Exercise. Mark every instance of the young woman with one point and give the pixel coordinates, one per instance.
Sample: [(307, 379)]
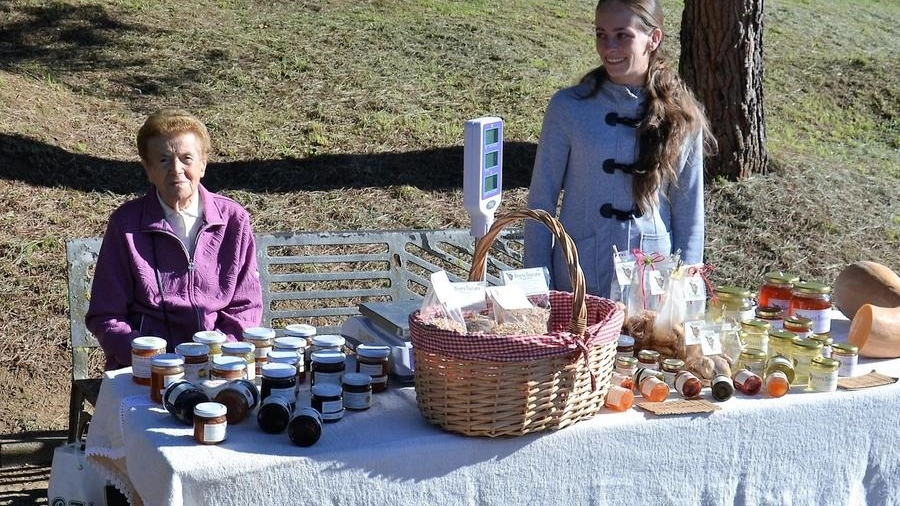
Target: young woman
[(624, 149)]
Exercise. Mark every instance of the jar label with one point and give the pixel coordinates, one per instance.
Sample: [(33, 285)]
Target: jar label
[(848, 364), (177, 391), (331, 407), (250, 373), (214, 432), (262, 351), (168, 380), (823, 381), (327, 377), (371, 369), (284, 393), (357, 400), (379, 380), (821, 319), (195, 372), (615, 394), (140, 367)]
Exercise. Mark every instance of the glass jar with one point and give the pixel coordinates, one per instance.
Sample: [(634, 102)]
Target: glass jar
[(324, 342), (803, 351), (776, 290), (165, 369), (625, 346), (626, 366), (143, 349), (180, 398), (274, 414), (210, 425), (196, 360), (213, 339), (755, 334), (326, 399), (301, 330), (263, 338), (648, 359), (297, 345), (292, 359), (731, 303), (688, 385), (619, 398), (777, 384), (780, 342), (812, 300), (823, 374), (280, 380), (772, 314), (305, 427), (244, 350), (848, 356), (799, 325), (240, 397), (374, 360), (327, 367), (721, 387), (357, 391), (826, 341), (228, 368), (753, 359), (621, 380), (747, 382), (669, 368), (782, 364), (650, 384)]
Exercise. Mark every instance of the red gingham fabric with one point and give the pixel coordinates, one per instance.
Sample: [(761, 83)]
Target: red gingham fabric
[(604, 323)]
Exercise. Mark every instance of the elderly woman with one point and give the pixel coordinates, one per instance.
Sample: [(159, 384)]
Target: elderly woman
[(178, 260)]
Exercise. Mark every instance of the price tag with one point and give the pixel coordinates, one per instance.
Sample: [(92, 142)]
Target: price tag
[(657, 282), (695, 289), (624, 270)]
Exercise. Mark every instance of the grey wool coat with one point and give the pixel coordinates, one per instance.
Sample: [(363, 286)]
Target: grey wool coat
[(584, 146)]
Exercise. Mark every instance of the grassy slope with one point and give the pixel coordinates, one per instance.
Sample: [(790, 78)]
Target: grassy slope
[(320, 108)]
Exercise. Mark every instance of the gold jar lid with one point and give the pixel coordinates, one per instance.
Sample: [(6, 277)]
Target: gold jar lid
[(732, 292), (755, 325), (824, 338), (770, 312), (812, 288), (627, 362), (753, 354), (807, 344), (826, 363), (648, 355), (673, 364), (844, 348), (799, 321), (781, 278), (780, 334)]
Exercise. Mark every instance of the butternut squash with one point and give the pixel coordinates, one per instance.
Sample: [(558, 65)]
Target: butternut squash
[(866, 283), (876, 331)]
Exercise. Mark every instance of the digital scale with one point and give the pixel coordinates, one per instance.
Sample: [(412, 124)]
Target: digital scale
[(387, 323)]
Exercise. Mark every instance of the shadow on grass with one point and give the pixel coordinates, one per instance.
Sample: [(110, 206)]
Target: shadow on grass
[(40, 164)]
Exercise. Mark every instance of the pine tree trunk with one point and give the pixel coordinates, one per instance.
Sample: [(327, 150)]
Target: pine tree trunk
[(722, 62)]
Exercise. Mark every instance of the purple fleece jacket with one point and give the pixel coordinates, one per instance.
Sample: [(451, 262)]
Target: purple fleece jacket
[(218, 289)]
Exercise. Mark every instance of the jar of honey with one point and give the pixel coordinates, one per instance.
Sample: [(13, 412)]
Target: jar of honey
[(777, 288), (263, 339), (245, 351), (731, 303), (803, 352), (774, 315), (780, 342), (826, 341), (213, 339), (812, 300), (848, 356), (755, 334), (196, 360), (752, 359), (823, 374)]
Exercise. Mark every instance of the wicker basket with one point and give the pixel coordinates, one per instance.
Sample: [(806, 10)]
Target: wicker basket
[(490, 385)]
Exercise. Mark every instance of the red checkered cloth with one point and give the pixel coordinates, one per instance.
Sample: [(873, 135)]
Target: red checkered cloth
[(604, 324)]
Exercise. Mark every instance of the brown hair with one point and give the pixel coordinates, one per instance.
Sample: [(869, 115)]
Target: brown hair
[(672, 114), (166, 122)]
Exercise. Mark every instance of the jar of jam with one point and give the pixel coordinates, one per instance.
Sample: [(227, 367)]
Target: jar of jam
[(263, 338), (688, 385), (799, 325), (327, 367), (804, 350), (752, 359), (619, 398), (755, 334), (626, 366), (274, 414), (357, 391), (240, 397), (826, 341), (180, 398), (290, 358), (621, 380), (210, 424), (143, 349), (848, 356), (780, 342), (774, 315), (812, 300), (290, 343), (625, 346), (280, 380), (776, 290), (669, 368), (747, 382), (731, 303), (228, 368), (648, 359), (305, 427), (244, 350), (782, 364), (326, 399), (324, 342), (777, 384), (650, 384), (374, 360), (823, 374), (196, 360), (301, 330), (165, 369), (213, 339)]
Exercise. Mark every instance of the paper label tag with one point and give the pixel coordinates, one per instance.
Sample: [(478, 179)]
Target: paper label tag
[(624, 270), (509, 297), (657, 282), (695, 289), (532, 281)]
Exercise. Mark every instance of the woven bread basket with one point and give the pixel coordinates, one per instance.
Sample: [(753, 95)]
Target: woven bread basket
[(510, 385)]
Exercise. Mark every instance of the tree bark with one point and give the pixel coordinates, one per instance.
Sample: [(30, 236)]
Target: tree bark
[(722, 62)]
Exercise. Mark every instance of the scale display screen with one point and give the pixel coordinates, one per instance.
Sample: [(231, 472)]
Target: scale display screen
[(491, 136), (491, 183), (491, 159)]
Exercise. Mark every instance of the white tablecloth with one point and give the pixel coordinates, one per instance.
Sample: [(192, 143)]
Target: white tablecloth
[(836, 448)]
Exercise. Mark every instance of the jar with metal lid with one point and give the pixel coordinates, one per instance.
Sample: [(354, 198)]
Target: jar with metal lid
[(848, 356), (244, 350), (143, 349), (731, 303), (799, 325), (374, 360), (305, 427), (301, 330), (826, 341), (688, 385), (327, 367), (752, 359), (625, 346), (165, 369), (803, 351), (721, 387), (648, 359), (228, 368), (213, 339), (777, 384), (180, 398), (747, 382), (780, 363), (274, 414), (812, 300), (326, 399), (280, 380), (196, 360), (823, 374), (777, 288), (240, 397), (263, 338), (780, 343), (774, 315), (669, 368), (626, 366), (357, 391), (210, 424), (650, 384), (755, 334), (292, 359)]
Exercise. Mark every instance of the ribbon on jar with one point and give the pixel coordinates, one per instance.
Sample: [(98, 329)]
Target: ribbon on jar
[(641, 262)]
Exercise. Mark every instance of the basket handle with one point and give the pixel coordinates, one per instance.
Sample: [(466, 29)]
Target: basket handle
[(578, 324)]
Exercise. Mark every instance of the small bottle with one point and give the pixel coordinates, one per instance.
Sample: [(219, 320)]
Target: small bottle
[(777, 288), (228, 368), (196, 360), (143, 349), (626, 366), (326, 399), (804, 351), (777, 384), (670, 367), (210, 424), (747, 382), (240, 397), (619, 398), (279, 380), (753, 360), (357, 391), (755, 334), (650, 385), (848, 356), (244, 350), (305, 427), (648, 359), (327, 367), (180, 398), (823, 374), (625, 346), (780, 343), (374, 360), (263, 338), (274, 414), (297, 346), (812, 300), (688, 385), (721, 387), (773, 315), (213, 339), (799, 325), (165, 369), (826, 341)]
